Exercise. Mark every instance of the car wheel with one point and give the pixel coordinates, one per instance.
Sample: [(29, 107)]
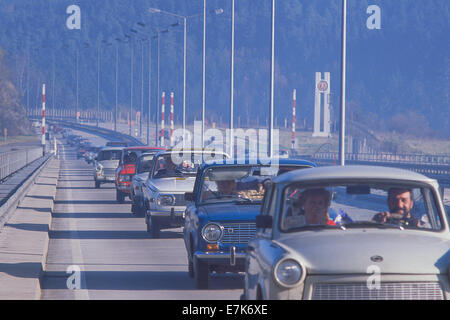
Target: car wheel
[(120, 197), (153, 227), (201, 274), (191, 268), (97, 184)]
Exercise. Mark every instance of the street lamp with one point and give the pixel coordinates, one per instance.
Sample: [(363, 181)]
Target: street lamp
[(215, 11), (343, 70)]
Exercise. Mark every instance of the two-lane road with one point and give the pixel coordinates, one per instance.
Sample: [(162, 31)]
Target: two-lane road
[(118, 260)]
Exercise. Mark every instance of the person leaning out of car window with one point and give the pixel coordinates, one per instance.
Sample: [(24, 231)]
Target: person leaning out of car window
[(400, 202)]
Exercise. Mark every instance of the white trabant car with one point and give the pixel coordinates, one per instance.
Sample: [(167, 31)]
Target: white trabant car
[(347, 233), (172, 175), (105, 165)]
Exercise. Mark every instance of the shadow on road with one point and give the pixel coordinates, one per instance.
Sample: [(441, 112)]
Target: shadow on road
[(140, 280), (29, 226), (98, 234)]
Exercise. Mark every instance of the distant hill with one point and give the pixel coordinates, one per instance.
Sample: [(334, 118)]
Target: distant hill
[(397, 77)]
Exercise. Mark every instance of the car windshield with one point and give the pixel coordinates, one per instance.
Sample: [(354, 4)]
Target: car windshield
[(109, 155), (170, 165), (359, 206), (243, 184), (145, 163)]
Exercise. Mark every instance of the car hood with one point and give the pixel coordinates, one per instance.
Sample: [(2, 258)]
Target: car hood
[(173, 184), (350, 251), (110, 164), (141, 176), (231, 212)]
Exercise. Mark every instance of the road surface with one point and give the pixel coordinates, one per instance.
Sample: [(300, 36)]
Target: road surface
[(118, 260)]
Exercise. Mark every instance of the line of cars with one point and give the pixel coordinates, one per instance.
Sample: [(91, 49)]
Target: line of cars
[(295, 230)]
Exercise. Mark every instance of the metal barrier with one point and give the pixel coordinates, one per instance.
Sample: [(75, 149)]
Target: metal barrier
[(13, 161)]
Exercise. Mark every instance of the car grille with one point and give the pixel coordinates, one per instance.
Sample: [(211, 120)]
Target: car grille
[(387, 291), (109, 172), (238, 232)]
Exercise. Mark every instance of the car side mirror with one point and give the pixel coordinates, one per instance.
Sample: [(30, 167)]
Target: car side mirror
[(189, 196), (264, 221)]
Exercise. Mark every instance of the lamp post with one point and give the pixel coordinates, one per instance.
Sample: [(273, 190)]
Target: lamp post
[(217, 12), (343, 70), (272, 66), (232, 82)]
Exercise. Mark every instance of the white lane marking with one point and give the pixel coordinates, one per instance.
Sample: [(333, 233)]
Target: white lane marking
[(77, 255)]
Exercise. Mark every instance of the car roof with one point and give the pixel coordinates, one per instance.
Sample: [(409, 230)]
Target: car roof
[(267, 161), (111, 148), (144, 148), (193, 150), (352, 172)]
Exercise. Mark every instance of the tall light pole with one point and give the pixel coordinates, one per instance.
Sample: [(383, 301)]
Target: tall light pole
[(232, 83), (204, 70), (77, 107), (343, 71), (117, 78), (272, 74), (155, 10)]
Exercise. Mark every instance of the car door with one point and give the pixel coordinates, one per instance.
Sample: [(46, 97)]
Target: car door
[(257, 266)]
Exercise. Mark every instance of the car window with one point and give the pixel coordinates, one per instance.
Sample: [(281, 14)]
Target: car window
[(167, 166), (235, 183), (353, 206), (109, 155)]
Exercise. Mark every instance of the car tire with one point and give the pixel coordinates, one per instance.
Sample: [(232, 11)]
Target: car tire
[(201, 274), (97, 184), (153, 227), (191, 268), (120, 196)]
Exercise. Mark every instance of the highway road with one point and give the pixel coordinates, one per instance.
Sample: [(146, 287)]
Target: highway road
[(117, 258)]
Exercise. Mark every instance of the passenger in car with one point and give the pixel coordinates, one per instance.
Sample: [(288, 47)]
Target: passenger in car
[(310, 208), (315, 204)]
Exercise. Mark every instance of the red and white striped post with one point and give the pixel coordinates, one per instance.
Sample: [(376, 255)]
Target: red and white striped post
[(43, 119), (162, 118), (294, 98), (171, 119)]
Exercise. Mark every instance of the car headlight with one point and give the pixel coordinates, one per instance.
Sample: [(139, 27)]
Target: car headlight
[(288, 272), (166, 200), (99, 167), (212, 232)]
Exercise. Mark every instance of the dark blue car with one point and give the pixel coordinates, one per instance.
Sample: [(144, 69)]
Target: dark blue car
[(220, 219)]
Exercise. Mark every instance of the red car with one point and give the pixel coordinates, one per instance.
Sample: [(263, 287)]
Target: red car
[(127, 168)]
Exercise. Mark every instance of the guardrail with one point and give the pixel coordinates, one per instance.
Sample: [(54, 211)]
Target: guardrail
[(388, 157), (436, 167), (13, 161), (20, 189), (102, 132)]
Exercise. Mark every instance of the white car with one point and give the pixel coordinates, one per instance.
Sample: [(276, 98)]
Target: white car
[(143, 168), (173, 174), (348, 233)]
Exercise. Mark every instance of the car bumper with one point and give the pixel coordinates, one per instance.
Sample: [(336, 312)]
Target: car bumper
[(232, 258), (174, 217), (103, 178), (123, 188)]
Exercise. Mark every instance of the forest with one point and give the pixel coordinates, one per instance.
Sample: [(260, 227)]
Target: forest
[(397, 76)]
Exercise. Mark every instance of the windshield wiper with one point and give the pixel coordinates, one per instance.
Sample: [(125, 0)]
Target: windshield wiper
[(361, 224)]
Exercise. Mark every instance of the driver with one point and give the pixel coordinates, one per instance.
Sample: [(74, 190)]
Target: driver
[(400, 203), (169, 168), (226, 187)]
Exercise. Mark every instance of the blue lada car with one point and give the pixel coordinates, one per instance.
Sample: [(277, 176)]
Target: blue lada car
[(220, 217)]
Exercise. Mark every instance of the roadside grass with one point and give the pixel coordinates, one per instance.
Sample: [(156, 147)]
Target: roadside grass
[(18, 139)]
